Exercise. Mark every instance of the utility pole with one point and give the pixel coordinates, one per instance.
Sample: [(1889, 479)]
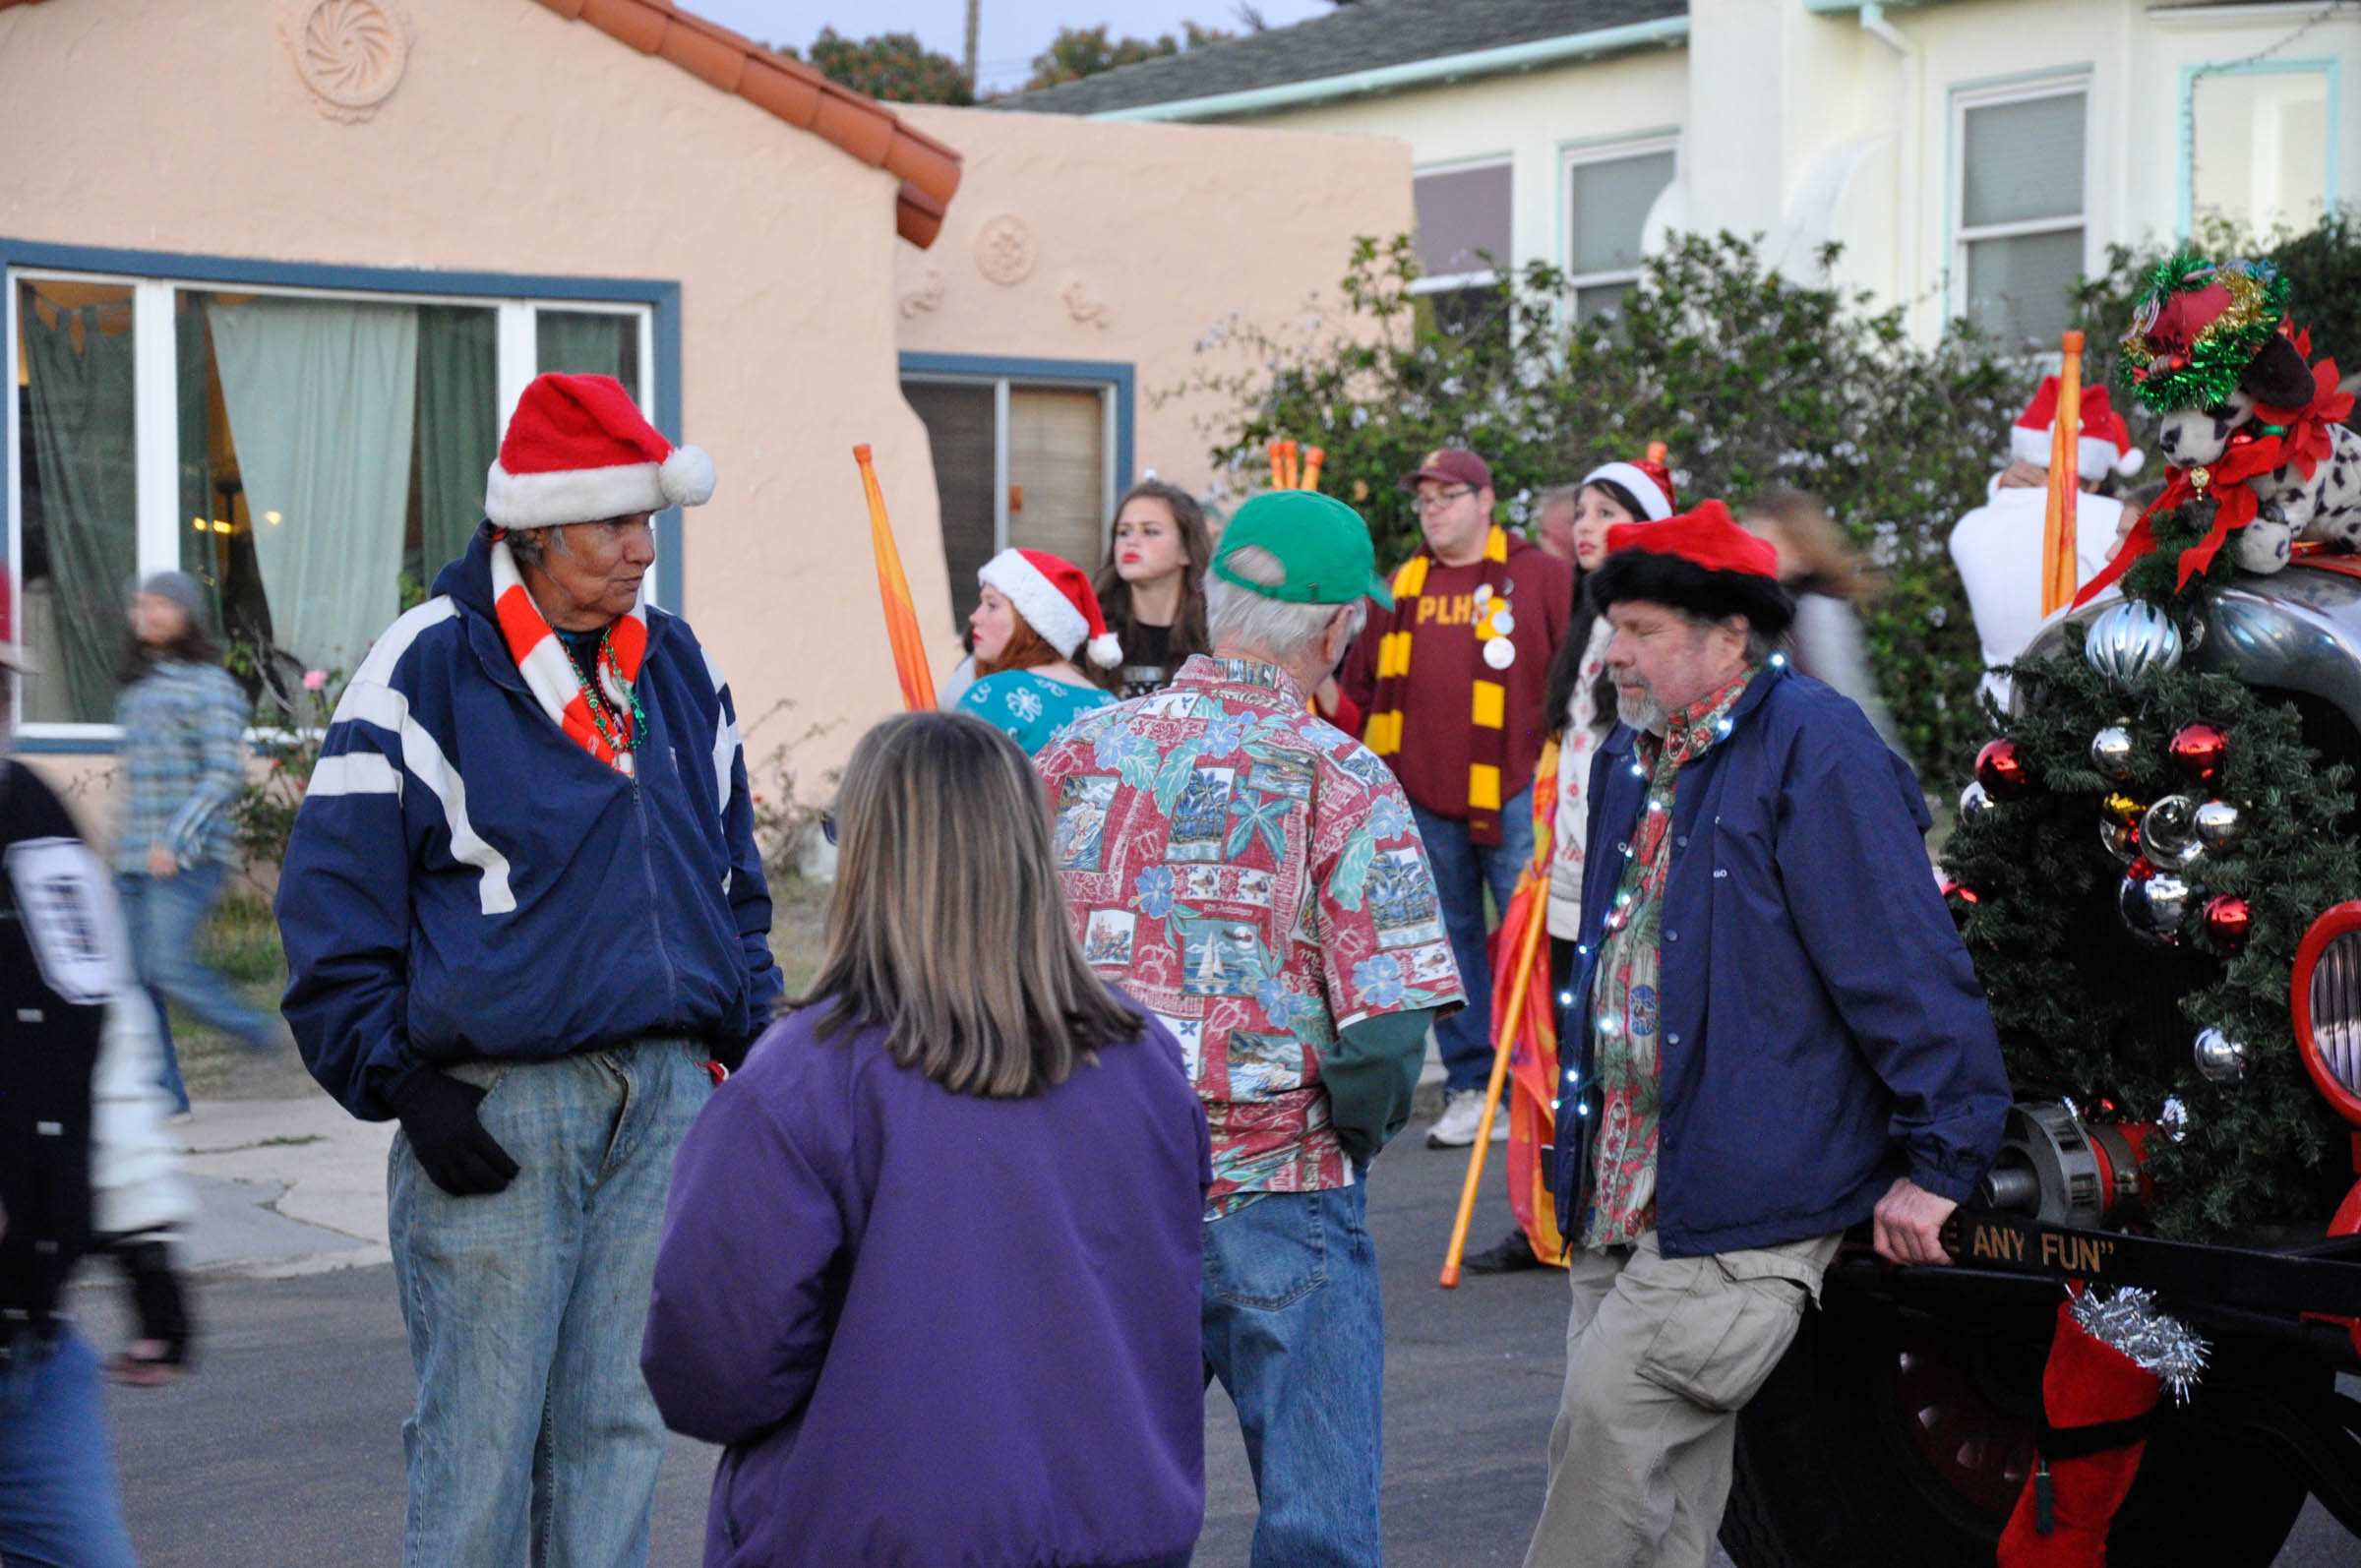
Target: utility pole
[(974, 8)]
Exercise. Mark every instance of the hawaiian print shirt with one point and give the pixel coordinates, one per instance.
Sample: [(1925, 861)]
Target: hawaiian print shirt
[(1626, 1065), (1251, 875)]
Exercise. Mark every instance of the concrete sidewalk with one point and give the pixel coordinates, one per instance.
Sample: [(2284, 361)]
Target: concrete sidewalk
[(283, 1187)]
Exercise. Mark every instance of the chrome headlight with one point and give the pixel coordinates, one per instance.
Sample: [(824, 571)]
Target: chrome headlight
[(2325, 1000)]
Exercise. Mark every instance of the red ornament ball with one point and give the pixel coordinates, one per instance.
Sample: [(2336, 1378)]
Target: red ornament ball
[(2226, 921), (2197, 750), (2140, 869), (1961, 899), (2001, 770)]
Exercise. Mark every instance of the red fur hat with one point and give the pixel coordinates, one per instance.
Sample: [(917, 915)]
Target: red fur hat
[(1700, 562)]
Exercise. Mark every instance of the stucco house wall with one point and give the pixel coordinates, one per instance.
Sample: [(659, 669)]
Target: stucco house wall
[(1144, 236), (518, 142)]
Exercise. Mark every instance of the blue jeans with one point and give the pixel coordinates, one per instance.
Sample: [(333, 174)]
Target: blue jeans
[(162, 913), (533, 1433), (1295, 1330), (58, 1505), (1462, 872)]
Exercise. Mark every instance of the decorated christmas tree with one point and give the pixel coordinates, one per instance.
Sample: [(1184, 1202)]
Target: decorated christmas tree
[(2145, 845)]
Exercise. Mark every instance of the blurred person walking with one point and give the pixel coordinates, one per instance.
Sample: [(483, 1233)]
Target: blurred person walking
[(525, 913), (184, 761), (1037, 612), (1254, 877), (1152, 587), (977, 1174), (1826, 579)]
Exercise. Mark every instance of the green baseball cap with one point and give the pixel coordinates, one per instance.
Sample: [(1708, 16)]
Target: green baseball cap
[(1321, 544)]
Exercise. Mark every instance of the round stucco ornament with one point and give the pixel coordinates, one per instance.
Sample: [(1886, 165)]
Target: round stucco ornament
[(1005, 250), (350, 53)]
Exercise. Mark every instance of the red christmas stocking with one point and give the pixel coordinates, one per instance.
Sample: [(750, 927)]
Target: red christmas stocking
[(2095, 1403)]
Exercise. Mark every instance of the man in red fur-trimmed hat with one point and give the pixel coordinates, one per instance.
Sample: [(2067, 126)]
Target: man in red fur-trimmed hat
[(1773, 1034)]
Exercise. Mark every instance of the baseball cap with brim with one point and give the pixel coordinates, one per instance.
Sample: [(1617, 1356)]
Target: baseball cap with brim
[(1321, 545), (1451, 465)]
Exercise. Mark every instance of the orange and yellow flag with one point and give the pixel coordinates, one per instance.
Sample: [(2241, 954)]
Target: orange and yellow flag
[(893, 595)]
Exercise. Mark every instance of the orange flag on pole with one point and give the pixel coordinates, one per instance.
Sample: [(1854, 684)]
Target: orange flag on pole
[(2065, 472), (894, 592)]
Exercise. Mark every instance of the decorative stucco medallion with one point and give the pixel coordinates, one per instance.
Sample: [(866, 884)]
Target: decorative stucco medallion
[(350, 53), (1005, 250), (1082, 304)]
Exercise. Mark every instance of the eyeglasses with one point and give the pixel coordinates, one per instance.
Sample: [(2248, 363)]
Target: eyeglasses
[(828, 827), (1441, 498)]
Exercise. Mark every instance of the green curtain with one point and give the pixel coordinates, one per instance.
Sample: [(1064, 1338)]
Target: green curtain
[(582, 343), (459, 428), (84, 451)]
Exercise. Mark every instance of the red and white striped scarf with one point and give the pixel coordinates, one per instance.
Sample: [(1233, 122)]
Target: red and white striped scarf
[(550, 674)]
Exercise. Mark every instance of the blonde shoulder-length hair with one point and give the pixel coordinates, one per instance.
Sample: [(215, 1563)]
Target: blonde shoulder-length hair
[(947, 926)]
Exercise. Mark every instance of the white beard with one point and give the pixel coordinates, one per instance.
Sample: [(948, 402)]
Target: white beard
[(1641, 713)]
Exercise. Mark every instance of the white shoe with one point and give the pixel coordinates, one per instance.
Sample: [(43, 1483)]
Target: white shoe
[(1455, 1128)]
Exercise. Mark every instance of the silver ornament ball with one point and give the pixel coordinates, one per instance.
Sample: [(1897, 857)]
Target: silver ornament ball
[(2130, 640), (2219, 1059), (1973, 803), (2120, 841), (2111, 753), (2154, 908), (2168, 834), (2217, 825)]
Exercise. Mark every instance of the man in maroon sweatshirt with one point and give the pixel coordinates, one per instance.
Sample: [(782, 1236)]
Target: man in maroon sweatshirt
[(1452, 685)]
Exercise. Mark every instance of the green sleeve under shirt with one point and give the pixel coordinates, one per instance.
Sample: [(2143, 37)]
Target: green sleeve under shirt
[(1372, 1072)]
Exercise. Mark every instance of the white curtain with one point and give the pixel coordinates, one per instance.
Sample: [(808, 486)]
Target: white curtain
[(322, 401)]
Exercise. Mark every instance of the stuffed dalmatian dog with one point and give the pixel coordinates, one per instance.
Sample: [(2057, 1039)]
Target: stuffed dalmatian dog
[(2326, 506)]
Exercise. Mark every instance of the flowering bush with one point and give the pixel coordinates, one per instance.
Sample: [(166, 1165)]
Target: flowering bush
[(1752, 378)]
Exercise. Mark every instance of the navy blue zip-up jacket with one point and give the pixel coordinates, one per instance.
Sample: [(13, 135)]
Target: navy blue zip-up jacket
[(1822, 1029), (465, 882)]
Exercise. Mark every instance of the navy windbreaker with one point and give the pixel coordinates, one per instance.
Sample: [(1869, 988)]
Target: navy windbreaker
[(1822, 1029), (465, 882)]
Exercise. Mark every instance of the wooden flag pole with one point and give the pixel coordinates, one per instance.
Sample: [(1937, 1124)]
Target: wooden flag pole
[(894, 595), (2064, 489), (1501, 1048)]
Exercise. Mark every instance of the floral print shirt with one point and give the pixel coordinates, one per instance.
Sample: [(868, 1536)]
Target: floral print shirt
[(1585, 728), (1626, 1066), (1252, 875)]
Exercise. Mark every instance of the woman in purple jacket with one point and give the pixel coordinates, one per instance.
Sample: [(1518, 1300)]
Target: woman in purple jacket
[(930, 1266)]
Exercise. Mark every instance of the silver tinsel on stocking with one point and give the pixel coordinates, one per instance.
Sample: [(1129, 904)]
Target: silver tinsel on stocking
[(2126, 1319)]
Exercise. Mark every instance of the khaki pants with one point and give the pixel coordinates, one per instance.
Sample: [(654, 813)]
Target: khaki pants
[(1660, 1355)]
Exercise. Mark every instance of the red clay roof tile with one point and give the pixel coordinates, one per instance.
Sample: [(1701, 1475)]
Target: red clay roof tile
[(787, 88)]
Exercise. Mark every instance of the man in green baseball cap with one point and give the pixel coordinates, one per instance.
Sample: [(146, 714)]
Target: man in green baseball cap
[(1320, 545), (1252, 877)]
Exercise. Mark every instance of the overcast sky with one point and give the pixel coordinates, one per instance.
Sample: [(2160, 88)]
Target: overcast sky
[(1013, 31)]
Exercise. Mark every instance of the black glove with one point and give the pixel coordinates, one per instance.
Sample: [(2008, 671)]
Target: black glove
[(438, 1113)]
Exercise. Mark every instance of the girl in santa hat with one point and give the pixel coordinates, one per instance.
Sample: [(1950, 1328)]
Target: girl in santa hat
[(1038, 610)]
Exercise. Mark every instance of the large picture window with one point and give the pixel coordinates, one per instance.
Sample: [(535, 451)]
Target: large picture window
[(2019, 250), (312, 457), (1609, 192), (2260, 150)]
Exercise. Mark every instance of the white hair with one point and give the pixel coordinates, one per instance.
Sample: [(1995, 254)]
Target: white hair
[(1240, 618)]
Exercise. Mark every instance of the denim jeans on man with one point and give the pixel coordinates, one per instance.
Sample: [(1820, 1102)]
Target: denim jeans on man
[(1462, 872), (1296, 1332), (534, 1430), (161, 914), (58, 1506)]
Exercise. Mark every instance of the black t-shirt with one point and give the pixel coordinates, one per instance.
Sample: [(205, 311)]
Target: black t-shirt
[(1147, 659)]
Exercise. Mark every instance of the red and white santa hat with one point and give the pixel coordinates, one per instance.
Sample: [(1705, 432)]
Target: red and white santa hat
[(1056, 600), (2106, 441), (579, 450), (1648, 482)]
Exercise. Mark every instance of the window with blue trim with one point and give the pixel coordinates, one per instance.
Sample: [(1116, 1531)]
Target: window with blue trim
[(2020, 207), (2259, 147), (312, 457)]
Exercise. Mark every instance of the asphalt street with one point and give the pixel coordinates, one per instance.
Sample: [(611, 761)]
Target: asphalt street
[(284, 1449)]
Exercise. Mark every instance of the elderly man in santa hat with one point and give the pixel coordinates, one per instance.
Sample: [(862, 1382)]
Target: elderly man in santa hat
[(1997, 547), (1773, 1033), (524, 915)]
